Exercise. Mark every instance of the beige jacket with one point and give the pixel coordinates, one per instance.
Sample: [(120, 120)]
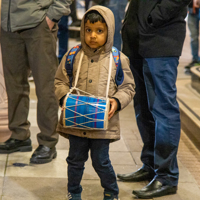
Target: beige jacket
[(93, 79)]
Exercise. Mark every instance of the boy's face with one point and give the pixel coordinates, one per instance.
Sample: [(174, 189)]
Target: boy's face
[(95, 34)]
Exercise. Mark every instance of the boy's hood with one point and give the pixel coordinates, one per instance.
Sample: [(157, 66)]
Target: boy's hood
[(110, 21)]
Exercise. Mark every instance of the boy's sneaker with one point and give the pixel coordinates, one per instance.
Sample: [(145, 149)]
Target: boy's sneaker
[(72, 196), (110, 196), (187, 67)]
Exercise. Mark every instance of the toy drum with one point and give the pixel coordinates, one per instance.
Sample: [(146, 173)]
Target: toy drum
[(85, 112)]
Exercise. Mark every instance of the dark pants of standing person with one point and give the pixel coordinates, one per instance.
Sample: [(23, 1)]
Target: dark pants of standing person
[(63, 35), (87, 2), (73, 11), (31, 49), (78, 155), (157, 115)]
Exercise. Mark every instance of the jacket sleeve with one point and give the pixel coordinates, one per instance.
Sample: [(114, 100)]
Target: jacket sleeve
[(61, 81), (166, 10), (58, 8), (126, 90)]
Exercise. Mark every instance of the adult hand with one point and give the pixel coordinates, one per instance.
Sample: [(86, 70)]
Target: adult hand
[(113, 108), (196, 3), (50, 23)]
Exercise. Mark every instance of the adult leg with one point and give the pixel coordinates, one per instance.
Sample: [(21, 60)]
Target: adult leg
[(193, 25), (144, 118), (160, 79), (118, 9), (102, 165), (41, 47), (78, 155), (146, 126), (87, 3), (63, 34), (15, 65)]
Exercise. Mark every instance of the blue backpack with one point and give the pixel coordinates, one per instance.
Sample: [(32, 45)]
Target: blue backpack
[(119, 77)]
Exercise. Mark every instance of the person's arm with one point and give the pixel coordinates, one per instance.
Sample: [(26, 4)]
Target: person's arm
[(166, 10), (57, 9)]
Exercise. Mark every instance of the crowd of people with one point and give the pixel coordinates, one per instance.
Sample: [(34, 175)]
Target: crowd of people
[(145, 72)]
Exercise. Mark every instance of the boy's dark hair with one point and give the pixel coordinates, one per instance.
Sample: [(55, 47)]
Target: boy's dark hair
[(94, 16)]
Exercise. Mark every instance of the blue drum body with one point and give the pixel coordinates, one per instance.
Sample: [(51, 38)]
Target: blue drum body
[(85, 112)]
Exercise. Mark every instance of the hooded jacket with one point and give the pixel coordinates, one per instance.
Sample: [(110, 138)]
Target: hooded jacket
[(154, 28), (93, 79), (24, 14)]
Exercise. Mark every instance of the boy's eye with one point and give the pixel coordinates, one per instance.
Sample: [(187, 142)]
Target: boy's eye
[(88, 30), (100, 31)]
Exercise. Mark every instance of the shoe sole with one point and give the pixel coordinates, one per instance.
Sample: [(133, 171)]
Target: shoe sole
[(42, 161), (18, 149)]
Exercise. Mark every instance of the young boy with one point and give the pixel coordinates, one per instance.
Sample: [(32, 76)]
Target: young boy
[(97, 31)]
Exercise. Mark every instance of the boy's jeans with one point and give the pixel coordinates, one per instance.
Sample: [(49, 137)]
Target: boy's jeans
[(193, 25), (78, 155)]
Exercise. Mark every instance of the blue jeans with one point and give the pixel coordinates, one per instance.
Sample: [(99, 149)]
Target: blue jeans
[(193, 25), (157, 115), (63, 35), (78, 155), (118, 9)]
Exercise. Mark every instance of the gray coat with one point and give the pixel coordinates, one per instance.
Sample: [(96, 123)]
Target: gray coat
[(24, 14)]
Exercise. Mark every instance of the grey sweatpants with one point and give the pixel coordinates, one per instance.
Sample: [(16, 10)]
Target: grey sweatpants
[(31, 49)]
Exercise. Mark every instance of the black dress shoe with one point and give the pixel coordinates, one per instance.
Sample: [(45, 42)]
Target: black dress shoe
[(139, 175), (43, 154), (155, 189), (14, 145)]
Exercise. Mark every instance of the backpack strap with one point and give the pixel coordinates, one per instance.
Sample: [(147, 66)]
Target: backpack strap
[(70, 61), (119, 77)]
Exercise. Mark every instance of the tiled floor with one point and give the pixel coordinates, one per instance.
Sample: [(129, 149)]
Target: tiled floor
[(48, 181)]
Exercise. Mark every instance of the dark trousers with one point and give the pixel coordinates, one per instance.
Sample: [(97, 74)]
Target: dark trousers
[(157, 115), (63, 35), (87, 3), (73, 11), (78, 155), (33, 49)]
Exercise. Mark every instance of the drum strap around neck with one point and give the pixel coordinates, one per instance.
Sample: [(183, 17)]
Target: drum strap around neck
[(119, 77), (78, 71)]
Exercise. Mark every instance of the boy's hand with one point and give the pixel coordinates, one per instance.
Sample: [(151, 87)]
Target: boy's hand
[(113, 108)]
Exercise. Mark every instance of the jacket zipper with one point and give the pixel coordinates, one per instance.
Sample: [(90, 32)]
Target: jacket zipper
[(9, 28)]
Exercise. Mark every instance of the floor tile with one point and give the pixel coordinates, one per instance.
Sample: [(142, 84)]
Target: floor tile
[(3, 159), (189, 191), (57, 168), (26, 188)]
